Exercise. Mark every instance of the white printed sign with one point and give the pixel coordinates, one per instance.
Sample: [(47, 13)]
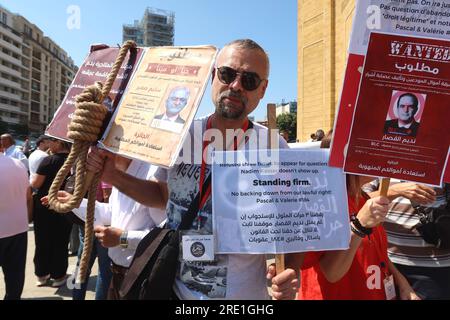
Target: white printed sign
[(425, 18), (295, 204)]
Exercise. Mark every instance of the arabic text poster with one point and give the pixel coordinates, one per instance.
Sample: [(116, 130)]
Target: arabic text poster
[(294, 204), (160, 103), (426, 19), (96, 67), (402, 119)]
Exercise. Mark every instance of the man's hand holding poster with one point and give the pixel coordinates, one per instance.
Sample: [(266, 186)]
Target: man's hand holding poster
[(160, 103)]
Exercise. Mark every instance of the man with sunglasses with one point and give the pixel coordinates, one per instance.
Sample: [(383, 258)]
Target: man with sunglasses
[(239, 82)]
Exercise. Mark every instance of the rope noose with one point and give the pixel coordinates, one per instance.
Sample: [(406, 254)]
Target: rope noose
[(84, 130)]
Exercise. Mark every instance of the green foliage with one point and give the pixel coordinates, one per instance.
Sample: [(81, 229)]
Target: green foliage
[(288, 122)]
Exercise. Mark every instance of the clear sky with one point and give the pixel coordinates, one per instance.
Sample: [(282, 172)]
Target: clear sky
[(273, 24)]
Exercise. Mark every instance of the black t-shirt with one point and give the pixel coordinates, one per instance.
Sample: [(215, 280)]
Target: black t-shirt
[(49, 167)]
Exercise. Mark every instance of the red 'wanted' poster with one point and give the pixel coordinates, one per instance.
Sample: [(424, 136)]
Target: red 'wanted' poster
[(402, 118), (428, 19)]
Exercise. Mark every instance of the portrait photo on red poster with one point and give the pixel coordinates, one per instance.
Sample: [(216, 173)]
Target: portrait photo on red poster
[(405, 113)]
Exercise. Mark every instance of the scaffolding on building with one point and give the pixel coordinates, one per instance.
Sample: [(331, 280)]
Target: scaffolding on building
[(155, 29)]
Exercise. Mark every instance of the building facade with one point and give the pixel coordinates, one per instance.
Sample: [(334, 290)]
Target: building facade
[(35, 74), (286, 107), (324, 30), (155, 29)]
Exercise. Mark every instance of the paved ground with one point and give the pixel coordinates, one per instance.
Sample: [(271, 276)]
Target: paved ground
[(32, 292)]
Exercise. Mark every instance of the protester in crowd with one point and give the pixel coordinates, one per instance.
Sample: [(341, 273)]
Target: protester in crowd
[(51, 229), (285, 135), (15, 211), (26, 147), (11, 150), (319, 135), (74, 240), (426, 266), (363, 271), (38, 154), (98, 252), (104, 275), (239, 81)]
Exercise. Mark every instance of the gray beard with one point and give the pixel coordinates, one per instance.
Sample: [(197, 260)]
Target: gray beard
[(229, 112)]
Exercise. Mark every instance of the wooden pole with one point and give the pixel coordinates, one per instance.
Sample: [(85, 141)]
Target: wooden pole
[(384, 186), (272, 124)]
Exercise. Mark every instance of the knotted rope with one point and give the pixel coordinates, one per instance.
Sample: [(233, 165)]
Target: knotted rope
[(84, 130)]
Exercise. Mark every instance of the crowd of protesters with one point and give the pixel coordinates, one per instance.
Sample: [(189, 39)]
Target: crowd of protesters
[(143, 196)]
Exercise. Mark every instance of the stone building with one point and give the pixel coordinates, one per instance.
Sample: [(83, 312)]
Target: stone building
[(155, 29), (324, 30), (35, 74)]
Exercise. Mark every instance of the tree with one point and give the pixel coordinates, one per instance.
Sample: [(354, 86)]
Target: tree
[(288, 123)]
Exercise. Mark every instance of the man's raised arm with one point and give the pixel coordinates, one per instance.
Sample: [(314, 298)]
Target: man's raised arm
[(149, 193)]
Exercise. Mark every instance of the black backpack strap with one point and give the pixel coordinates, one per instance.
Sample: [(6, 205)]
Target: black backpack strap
[(151, 242), (186, 220), (447, 196), (145, 250)]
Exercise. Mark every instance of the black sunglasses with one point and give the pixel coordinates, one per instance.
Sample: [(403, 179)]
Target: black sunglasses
[(249, 80)]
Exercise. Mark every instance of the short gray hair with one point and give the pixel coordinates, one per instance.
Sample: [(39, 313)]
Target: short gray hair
[(249, 44)]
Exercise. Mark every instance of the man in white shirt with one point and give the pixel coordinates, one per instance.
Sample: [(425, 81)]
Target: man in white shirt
[(38, 155), (15, 210), (239, 82), (122, 223), (11, 150)]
